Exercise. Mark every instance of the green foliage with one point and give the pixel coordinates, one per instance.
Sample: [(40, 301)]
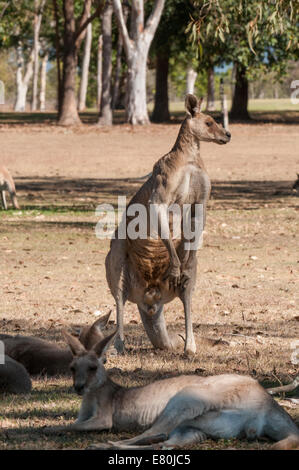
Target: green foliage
[(249, 32)]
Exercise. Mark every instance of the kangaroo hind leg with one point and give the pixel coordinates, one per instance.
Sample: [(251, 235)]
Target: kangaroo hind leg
[(281, 428), (185, 406), (155, 327)]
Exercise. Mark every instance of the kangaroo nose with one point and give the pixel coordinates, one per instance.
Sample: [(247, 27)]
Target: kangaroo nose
[(79, 389), (228, 134)]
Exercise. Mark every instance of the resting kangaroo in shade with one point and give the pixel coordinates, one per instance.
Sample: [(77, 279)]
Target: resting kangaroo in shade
[(7, 184), (176, 411), (13, 377), (153, 271), (44, 357)]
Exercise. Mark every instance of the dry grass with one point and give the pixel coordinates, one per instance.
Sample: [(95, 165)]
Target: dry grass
[(52, 265)]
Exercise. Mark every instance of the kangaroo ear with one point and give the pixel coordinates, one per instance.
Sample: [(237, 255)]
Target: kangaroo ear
[(193, 104), (90, 335), (102, 321), (102, 346), (76, 347)]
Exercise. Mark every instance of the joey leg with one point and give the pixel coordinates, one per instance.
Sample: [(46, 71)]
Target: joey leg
[(155, 327)]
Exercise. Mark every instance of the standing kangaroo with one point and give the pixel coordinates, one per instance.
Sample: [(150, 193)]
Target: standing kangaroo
[(43, 357), (7, 184), (153, 271), (13, 377), (176, 411)]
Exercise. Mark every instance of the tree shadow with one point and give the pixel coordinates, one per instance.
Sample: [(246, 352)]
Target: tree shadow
[(288, 117), (60, 194)]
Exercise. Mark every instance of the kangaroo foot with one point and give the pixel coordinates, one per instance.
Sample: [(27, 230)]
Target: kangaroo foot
[(289, 443), (119, 345), (100, 446), (190, 347)]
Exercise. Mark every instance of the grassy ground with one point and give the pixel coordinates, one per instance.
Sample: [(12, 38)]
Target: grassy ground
[(52, 265)]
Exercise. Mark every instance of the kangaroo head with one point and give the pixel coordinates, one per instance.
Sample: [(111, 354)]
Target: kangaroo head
[(90, 335), (87, 367), (202, 126)]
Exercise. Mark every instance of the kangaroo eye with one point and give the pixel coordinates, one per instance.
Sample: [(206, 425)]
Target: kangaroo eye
[(93, 368), (72, 369), (208, 123)]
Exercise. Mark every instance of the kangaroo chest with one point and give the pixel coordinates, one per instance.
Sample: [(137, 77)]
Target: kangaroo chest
[(192, 186)]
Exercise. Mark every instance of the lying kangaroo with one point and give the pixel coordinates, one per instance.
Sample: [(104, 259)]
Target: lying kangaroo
[(153, 271), (177, 411), (7, 184), (13, 377), (295, 186), (43, 357)]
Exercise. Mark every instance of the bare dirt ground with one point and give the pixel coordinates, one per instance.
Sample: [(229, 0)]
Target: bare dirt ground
[(245, 309)]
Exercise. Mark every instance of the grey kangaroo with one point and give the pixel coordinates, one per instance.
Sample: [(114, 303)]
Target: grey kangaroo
[(176, 411), (43, 357), (7, 184), (153, 271), (13, 377)]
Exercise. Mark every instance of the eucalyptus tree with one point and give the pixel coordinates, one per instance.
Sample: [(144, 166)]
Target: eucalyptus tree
[(76, 18), (252, 33), (137, 40), (171, 40), (20, 27)]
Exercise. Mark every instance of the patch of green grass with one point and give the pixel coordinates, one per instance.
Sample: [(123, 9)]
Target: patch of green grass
[(51, 210)]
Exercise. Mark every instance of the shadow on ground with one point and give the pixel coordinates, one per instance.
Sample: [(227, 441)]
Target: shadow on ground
[(91, 117), (84, 194)]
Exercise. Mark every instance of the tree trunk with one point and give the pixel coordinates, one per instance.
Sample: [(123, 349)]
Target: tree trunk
[(116, 84), (240, 99), (115, 93), (211, 90), (69, 115), (161, 109), (38, 13), (58, 57), (99, 70), (105, 116), (43, 82), (36, 49), (117, 77), (136, 48), (85, 68), (22, 81), (190, 80), (136, 106)]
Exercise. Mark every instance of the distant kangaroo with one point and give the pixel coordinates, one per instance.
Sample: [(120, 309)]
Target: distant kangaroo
[(153, 271), (43, 357), (295, 186), (7, 184), (176, 411), (13, 377)]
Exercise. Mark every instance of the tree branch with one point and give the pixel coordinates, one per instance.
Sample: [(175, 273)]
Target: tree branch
[(154, 18), (3, 10), (85, 19), (122, 26)]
